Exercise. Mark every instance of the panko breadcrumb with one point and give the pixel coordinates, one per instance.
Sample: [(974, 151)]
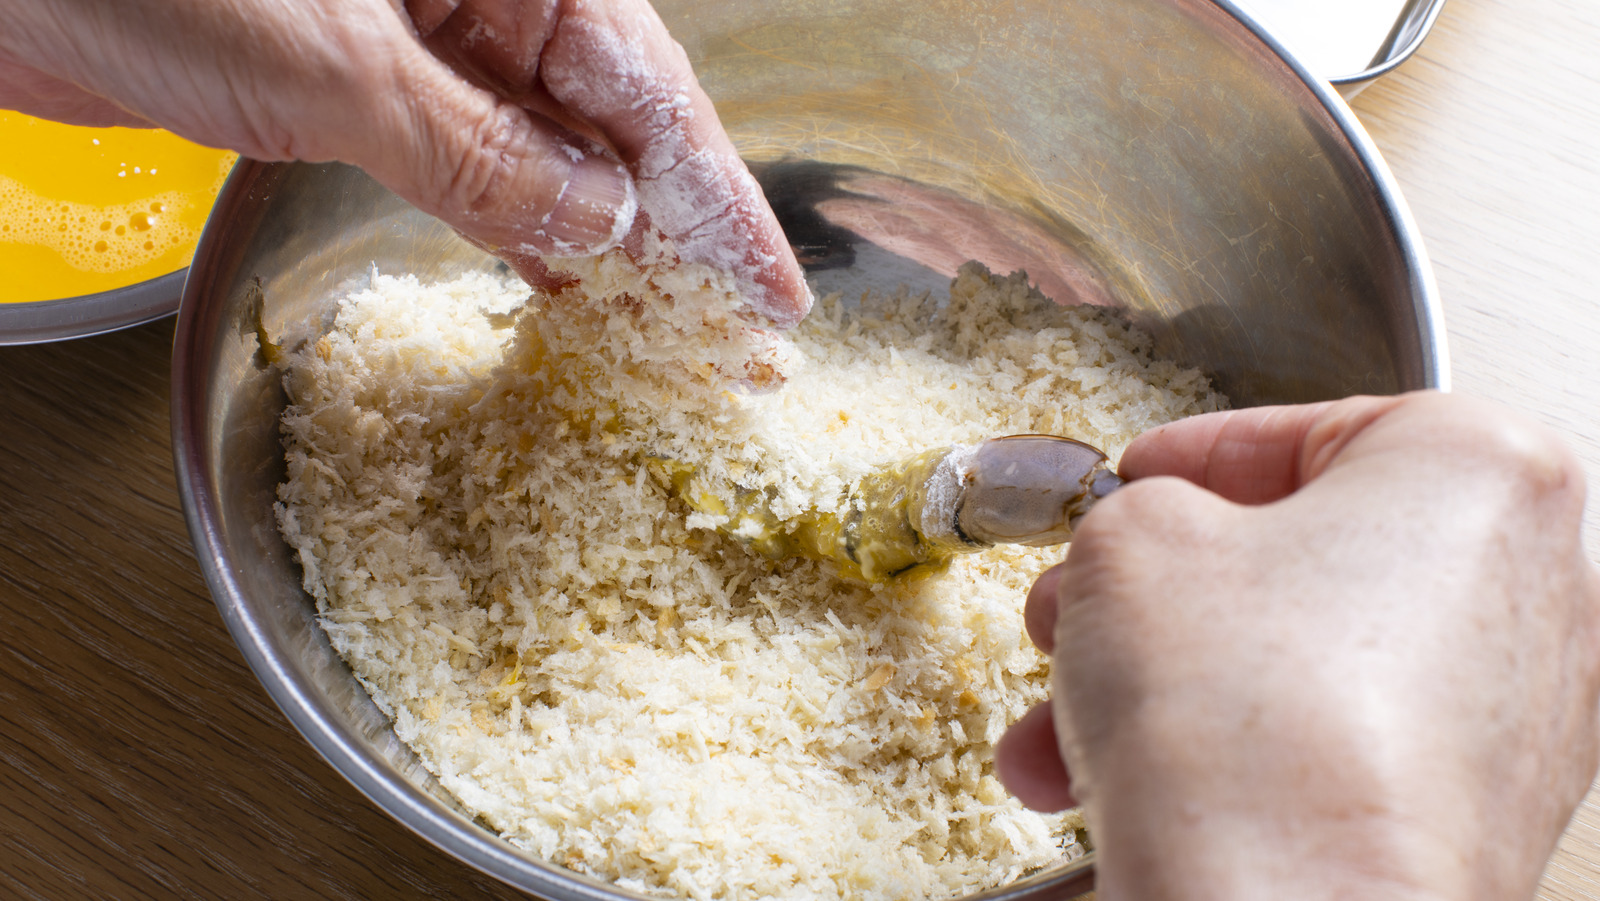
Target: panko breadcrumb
[(607, 680)]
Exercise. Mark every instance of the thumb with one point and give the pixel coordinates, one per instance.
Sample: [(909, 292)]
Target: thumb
[(510, 179), (1257, 455)]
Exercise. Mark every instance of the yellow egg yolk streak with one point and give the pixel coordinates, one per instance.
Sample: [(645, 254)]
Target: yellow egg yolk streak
[(85, 210)]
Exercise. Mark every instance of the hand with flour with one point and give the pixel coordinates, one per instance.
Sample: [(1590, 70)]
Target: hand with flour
[(1347, 650), (532, 126)]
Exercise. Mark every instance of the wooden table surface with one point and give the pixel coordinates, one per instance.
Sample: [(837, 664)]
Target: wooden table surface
[(139, 758)]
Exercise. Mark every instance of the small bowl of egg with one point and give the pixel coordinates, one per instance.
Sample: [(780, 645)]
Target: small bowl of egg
[(97, 225)]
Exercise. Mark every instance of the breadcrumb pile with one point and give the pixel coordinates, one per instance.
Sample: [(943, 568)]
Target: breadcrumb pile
[(606, 679)]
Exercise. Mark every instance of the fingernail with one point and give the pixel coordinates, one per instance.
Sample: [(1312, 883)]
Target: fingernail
[(595, 208)]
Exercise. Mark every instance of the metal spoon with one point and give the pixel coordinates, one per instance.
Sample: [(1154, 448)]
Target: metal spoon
[(1020, 489)]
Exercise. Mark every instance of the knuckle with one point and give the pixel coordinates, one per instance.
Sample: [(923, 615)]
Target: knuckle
[(1541, 461), (1532, 456), (1497, 444), (487, 166), (1142, 527), (482, 162), (1151, 507)]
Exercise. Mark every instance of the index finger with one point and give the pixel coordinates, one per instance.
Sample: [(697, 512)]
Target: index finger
[(1256, 455), (614, 64)]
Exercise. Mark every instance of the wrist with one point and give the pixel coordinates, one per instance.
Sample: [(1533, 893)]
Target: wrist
[(1171, 821), (1209, 856)]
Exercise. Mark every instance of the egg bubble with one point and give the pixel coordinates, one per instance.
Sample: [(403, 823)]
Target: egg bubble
[(95, 238)]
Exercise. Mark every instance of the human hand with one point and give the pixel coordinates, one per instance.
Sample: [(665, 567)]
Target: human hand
[(535, 127), (1351, 650)]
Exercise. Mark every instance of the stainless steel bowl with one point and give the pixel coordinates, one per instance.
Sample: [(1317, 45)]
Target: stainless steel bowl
[(1157, 155), (90, 314)]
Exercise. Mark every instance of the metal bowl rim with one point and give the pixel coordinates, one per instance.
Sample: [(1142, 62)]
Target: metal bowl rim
[(38, 322)]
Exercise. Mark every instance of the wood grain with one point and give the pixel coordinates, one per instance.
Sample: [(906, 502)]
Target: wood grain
[(140, 759), (1491, 131)]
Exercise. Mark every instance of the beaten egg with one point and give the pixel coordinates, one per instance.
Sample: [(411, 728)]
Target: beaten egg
[(85, 210)]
